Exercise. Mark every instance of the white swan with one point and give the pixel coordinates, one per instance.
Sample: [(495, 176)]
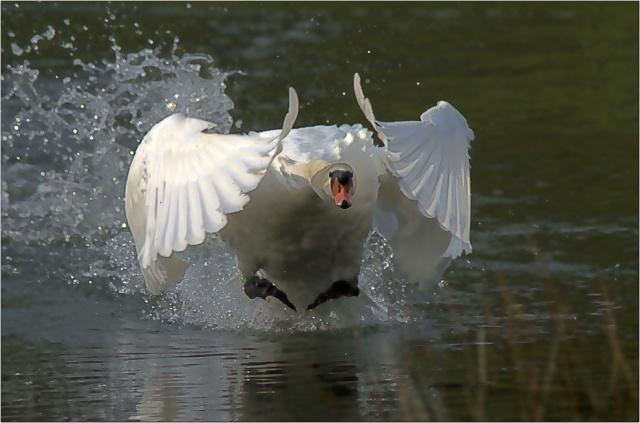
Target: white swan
[(296, 205)]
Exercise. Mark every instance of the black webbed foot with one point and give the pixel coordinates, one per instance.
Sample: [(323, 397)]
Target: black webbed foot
[(259, 287), (337, 290)]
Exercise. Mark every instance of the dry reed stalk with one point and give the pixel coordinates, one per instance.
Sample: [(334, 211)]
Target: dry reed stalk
[(464, 340), (481, 375), (619, 358), (514, 348)]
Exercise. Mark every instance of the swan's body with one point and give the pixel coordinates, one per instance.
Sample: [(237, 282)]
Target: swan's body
[(414, 190), (299, 239)]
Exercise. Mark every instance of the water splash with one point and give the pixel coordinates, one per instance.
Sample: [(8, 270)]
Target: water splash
[(68, 144), (67, 147)]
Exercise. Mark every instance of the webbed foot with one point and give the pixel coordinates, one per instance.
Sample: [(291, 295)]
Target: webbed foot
[(259, 287), (338, 289)]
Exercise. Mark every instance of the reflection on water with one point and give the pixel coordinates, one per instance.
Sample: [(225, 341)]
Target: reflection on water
[(439, 371), (540, 322)]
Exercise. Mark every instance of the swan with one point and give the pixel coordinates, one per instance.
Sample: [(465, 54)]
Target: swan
[(296, 205)]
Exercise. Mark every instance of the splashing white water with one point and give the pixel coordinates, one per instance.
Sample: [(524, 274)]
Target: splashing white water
[(67, 147)]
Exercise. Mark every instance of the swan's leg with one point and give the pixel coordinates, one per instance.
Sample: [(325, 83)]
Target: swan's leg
[(339, 289), (256, 286)]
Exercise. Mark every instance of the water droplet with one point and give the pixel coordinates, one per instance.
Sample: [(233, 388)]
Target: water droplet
[(49, 33), (15, 49)]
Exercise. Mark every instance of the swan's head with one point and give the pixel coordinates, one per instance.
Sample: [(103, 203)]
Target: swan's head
[(341, 182), (335, 182)]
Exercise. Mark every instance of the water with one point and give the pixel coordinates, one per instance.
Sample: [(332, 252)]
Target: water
[(540, 322)]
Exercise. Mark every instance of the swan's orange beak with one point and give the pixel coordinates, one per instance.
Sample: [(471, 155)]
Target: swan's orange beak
[(341, 190)]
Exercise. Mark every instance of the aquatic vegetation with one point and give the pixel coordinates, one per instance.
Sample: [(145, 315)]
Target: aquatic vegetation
[(509, 364)]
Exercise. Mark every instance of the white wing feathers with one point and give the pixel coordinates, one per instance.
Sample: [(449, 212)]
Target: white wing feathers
[(183, 183), (431, 161), (365, 106)]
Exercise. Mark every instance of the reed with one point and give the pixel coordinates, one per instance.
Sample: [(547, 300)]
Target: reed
[(566, 374)]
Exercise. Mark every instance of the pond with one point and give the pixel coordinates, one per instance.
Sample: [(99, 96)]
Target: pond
[(540, 322)]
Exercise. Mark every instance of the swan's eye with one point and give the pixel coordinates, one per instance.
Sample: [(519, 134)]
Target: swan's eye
[(342, 176)]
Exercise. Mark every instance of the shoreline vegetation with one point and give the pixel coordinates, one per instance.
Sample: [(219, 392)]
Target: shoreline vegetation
[(555, 388)]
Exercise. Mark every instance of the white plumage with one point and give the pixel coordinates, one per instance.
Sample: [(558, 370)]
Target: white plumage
[(268, 196), (184, 182)]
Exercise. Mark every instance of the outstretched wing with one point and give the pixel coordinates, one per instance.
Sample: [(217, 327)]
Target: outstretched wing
[(429, 162), (182, 184)]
